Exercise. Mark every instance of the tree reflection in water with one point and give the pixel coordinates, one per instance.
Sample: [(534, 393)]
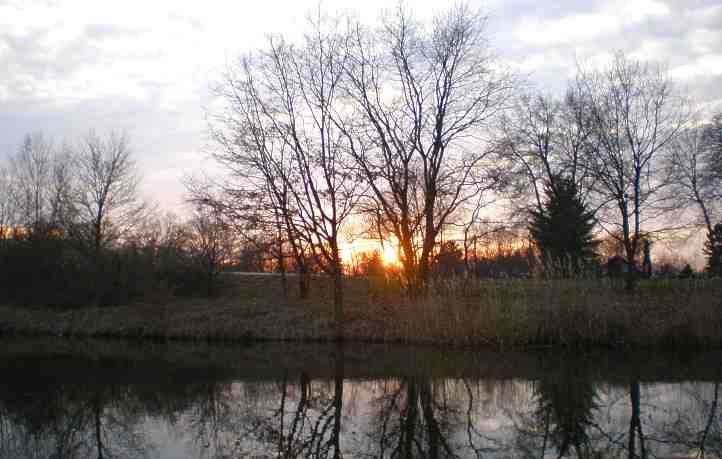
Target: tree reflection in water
[(565, 400), (410, 422), (44, 420), (285, 419), (562, 412)]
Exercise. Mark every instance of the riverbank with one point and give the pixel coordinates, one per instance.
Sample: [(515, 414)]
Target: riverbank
[(500, 314), (116, 360)]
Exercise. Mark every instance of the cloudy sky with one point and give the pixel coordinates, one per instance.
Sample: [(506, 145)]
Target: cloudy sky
[(146, 66)]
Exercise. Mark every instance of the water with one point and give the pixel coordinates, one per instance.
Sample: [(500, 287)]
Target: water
[(78, 399)]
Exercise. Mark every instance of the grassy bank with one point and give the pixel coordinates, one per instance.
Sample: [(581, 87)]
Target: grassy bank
[(506, 314)]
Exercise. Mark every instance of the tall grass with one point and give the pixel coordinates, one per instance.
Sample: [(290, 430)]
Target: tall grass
[(584, 312), (505, 313)]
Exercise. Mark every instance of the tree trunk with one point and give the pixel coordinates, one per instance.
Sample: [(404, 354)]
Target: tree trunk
[(282, 270), (98, 427), (432, 426), (337, 401), (705, 212), (425, 258), (635, 423), (410, 267), (282, 411), (302, 281), (408, 426), (338, 300), (630, 280), (710, 420), (280, 258)]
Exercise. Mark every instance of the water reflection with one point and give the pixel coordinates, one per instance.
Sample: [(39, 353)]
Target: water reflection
[(108, 410), (45, 420)]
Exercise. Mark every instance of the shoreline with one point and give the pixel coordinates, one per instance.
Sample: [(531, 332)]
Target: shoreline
[(274, 360)]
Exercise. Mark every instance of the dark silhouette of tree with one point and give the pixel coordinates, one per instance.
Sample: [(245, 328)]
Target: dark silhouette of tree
[(108, 195), (713, 250), (503, 253), (562, 229), (420, 93), (211, 244), (695, 168), (567, 400), (635, 424), (637, 113), (8, 205), (71, 420), (370, 264), (415, 420), (697, 428), (449, 260), (284, 127), (544, 137)]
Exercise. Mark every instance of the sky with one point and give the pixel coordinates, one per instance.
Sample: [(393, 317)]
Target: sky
[(146, 67)]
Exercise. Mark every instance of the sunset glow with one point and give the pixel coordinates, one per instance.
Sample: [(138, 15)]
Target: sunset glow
[(351, 251), (389, 255)]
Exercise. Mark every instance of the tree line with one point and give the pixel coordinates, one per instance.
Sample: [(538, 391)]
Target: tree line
[(405, 131), (74, 230)]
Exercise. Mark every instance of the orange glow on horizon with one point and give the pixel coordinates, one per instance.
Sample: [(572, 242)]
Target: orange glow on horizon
[(350, 251), (390, 255)]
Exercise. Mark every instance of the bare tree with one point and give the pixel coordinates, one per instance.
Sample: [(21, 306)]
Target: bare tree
[(62, 191), (282, 133), (715, 139), (42, 186), (108, 198), (255, 201), (694, 153), (7, 204), (544, 139), (32, 170), (424, 97), (636, 113), (211, 243)]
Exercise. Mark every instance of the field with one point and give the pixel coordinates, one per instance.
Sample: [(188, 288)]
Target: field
[(497, 313)]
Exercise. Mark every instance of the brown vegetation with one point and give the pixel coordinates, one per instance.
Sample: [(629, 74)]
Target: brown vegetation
[(498, 313)]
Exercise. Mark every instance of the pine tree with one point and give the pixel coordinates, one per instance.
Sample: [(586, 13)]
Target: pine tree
[(713, 250), (562, 229)]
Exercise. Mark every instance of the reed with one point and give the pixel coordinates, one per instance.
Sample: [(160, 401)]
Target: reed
[(499, 313), (520, 313)]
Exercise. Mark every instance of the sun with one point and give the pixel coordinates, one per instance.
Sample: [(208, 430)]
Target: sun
[(389, 255), (388, 251)]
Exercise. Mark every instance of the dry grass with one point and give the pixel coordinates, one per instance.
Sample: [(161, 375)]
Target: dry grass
[(507, 314), (565, 313)]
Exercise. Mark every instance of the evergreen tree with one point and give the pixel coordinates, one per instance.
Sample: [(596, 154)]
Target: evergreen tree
[(562, 229), (713, 250)]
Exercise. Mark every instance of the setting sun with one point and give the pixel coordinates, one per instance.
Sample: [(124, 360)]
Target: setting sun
[(389, 255), (388, 251)]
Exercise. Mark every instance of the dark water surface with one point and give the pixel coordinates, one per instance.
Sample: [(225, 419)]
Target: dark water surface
[(90, 399)]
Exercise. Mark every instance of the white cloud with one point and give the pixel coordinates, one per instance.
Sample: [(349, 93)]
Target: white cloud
[(650, 49), (634, 11), (575, 28), (707, 65), (145, 66), (704, 41)]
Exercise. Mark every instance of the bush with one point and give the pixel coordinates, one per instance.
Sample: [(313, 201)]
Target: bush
[(49, 270)]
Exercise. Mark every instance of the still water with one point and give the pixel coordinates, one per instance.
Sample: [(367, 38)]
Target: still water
[(102, 399)]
